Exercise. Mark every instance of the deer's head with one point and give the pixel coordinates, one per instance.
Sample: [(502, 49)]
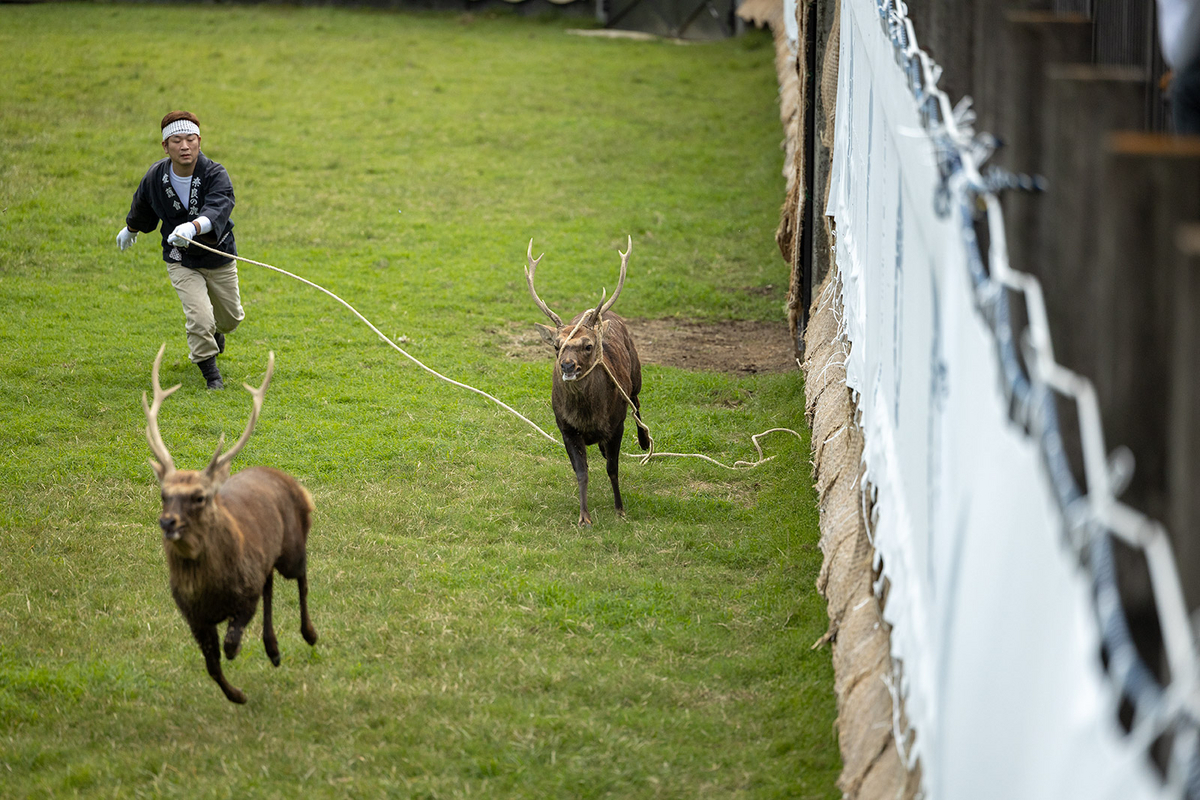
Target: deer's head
[(187, 494), (578, 346)]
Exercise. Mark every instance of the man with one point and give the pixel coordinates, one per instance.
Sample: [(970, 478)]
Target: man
[(1179, 32), (193, 197)]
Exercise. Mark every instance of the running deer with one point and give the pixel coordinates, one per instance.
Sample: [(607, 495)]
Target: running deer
[(225, 537), (596, 367)]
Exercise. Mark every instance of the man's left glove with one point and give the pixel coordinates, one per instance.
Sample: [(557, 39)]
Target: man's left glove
[(182, 235)]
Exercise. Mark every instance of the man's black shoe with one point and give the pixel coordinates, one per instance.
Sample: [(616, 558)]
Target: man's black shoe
[(220, 337), (212, 375)]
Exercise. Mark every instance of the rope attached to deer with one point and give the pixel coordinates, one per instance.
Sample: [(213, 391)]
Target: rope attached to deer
[(642, 457)]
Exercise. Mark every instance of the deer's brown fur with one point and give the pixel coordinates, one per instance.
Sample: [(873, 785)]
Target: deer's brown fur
[(225, 537), (589, 408)]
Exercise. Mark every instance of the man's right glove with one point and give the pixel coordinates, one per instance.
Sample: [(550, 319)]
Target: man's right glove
[(182, 235), (126, 238)]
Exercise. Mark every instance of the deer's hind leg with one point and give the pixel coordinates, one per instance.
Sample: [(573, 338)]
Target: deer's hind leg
[(270, 643), (643, 435), (295, 567), (237, 626), (306, 627)]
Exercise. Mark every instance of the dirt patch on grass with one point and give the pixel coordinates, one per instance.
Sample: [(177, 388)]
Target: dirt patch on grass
[(737, 347), (734, 346)]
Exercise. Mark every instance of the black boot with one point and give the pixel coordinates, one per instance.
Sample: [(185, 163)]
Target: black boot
[(212, 375), (220, 337)]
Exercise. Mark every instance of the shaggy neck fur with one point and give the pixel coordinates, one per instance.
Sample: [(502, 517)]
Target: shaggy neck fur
[(221, 560)]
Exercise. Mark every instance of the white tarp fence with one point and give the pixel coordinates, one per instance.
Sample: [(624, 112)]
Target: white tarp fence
[(994, 619)]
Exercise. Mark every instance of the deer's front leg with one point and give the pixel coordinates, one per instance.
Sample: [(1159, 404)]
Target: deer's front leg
[(206, 637), (577, 452), (612, 454)]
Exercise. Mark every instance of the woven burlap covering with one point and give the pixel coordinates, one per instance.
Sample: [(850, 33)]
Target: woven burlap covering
[(863, 669), (864, 674)]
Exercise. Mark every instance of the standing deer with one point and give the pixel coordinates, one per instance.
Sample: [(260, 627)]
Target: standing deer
[(225, 536), (589, 406)]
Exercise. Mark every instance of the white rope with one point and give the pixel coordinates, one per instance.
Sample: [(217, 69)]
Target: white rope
[(738, 465), (382, 336)]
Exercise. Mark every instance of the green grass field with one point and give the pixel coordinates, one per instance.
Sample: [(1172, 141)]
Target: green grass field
[(474, 641)]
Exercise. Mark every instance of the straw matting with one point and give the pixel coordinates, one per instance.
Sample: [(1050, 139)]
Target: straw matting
[(864, 673)]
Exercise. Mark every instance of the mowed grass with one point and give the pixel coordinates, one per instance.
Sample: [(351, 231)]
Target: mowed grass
[(474, 641)]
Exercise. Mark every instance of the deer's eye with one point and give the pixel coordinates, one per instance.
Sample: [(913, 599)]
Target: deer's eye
[(197, 499), (588, 348)]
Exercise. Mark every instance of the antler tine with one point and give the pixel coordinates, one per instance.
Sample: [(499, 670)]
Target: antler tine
[(221, 461), (529, 269), (152, 434), (620, 281), (593, 318)]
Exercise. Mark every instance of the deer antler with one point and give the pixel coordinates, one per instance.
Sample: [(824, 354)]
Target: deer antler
[(220, 462), (152, 435), (529, 279), (603, 307)]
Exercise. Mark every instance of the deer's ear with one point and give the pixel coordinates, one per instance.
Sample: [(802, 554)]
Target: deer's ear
[(604, 327), (548, 333)]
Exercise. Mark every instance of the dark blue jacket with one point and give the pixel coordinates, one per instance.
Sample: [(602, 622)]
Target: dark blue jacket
[(211, 196)]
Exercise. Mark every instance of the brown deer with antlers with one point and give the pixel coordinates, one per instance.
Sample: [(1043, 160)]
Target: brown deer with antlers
[(597, 375), (225, 537)]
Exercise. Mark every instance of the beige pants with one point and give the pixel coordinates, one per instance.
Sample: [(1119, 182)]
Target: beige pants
[(210, 304)]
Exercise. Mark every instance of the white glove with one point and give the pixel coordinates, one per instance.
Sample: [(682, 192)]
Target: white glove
[(126, 238), (182, 235)]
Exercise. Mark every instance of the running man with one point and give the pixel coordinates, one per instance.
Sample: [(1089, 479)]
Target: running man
[(193, 197)]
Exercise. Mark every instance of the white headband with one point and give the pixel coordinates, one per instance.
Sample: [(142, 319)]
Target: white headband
[(184, 126)]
